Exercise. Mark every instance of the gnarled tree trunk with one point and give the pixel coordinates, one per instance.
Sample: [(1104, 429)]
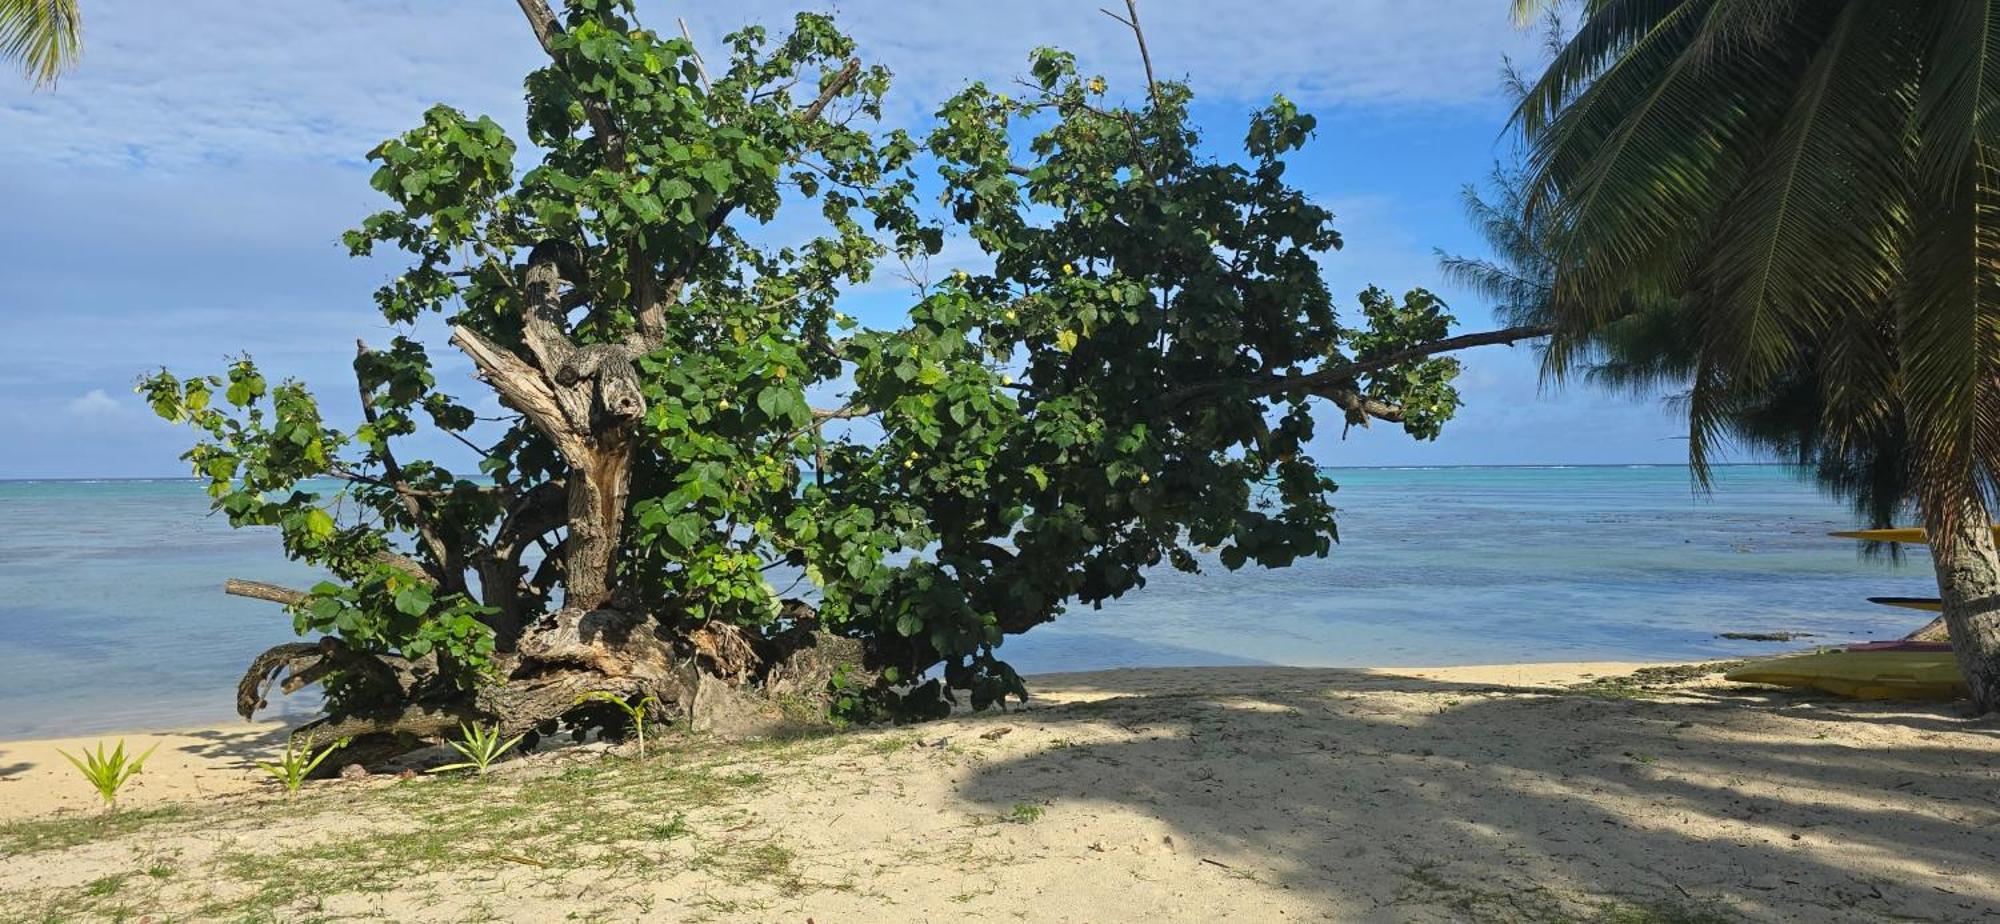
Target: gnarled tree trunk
[(586, 399)]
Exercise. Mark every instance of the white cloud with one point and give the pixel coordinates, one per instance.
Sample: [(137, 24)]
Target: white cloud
[(205, 82), (94, 403)]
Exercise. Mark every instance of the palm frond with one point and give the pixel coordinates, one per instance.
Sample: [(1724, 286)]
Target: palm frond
[(1809, 234), (44, 37)]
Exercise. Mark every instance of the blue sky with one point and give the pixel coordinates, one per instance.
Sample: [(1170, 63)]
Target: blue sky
[(179, 199)]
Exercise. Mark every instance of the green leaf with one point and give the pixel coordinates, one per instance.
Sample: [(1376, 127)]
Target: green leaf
[(685, 530), (414, 600)]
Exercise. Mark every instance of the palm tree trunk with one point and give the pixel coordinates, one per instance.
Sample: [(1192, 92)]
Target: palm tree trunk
[(1968, 576)]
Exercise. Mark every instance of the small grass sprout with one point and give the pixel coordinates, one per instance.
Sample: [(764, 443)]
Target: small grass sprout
[(481, 746), (298, 762), (634, 711), (108, 773)]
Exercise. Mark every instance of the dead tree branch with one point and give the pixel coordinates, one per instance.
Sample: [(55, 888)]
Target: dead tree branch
[(259, 590), (1131, 21)]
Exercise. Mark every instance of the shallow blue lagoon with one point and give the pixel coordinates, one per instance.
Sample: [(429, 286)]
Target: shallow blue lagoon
[(112, 616)]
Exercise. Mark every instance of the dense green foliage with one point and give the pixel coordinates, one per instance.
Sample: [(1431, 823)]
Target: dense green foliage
[(1806, 191), (1652, 343), (1796, 206), (1128, 377)]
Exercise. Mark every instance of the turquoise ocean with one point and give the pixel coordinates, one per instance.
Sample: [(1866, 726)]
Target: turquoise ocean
[(112, 616)]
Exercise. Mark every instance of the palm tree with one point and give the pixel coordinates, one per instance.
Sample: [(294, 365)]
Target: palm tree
[(1651, 348), (1814, 186), (44, 37)]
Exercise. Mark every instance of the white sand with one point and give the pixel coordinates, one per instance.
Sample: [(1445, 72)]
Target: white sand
[(1251, 794)]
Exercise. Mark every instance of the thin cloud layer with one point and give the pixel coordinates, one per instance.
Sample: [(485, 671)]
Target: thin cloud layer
[(201, 83), (178, 199)]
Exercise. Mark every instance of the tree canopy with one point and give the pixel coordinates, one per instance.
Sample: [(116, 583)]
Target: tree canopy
[(1128, 377), (1801, 196)]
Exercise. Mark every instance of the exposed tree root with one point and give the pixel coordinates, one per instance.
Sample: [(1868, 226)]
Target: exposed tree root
[(547, 682)]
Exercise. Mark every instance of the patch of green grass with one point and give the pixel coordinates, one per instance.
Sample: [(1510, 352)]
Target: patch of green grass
[(672, 828), (581, 773), (615, 815), (599, 816), (1026, 813), (769, 861), (106, 886), (891, 744), (38, 834)]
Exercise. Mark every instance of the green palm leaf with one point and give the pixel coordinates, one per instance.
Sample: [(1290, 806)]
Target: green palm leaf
[(44, 37)]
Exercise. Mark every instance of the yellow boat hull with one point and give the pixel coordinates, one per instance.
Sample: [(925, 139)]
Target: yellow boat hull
[(1922, 675), (1910, 534)]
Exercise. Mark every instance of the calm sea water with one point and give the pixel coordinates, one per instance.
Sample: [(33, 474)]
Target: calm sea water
[(112, 616)]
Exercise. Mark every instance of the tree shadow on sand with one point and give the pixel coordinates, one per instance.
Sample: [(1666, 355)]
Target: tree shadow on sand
[(239, 748), (1400, 798)]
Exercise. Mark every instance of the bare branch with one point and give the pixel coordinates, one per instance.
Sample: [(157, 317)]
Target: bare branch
[(1360, 407), (1326, 381), (543, 21), (832, 88), (259, 590), (522, 386), (699, 67), (1145, 57), (347, 474), (405, 564)]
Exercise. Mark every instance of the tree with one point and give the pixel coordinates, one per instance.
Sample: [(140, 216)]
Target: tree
[(44, 37), (1652, 345), (1131, 382), (1814, 183)]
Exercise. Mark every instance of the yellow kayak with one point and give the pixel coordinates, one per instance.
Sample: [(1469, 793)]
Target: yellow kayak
[(1927, 604), (1879, 670), (1910, 534)]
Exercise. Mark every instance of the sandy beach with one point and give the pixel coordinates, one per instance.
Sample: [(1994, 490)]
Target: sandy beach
[(1523, 792)]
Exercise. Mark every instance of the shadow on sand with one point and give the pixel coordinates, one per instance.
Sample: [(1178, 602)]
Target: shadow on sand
[(1406, 798), (237, 748)]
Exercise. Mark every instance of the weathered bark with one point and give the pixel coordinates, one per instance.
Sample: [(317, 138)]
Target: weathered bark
[(1968, 575), (536, 512), (1934, 631), (587, 401), (302, 664), (612, 643)]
